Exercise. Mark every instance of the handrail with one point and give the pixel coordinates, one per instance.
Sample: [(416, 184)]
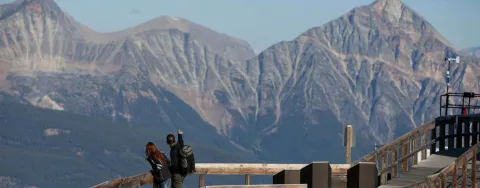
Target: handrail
[(458, 127), (223, 169), (468, 124), (140, 179), (412, 153), (410, 147), (460, 162), (399, 141)]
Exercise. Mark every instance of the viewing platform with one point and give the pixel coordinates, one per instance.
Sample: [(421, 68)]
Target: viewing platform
[(441, 153)]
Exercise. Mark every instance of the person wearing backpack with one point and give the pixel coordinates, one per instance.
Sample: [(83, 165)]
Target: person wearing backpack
[(160, 166), (183, 161)]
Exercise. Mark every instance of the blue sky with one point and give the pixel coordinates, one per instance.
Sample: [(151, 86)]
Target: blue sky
[(265, 22)]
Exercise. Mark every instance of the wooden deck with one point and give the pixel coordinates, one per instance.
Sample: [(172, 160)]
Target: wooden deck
[(433, 164)]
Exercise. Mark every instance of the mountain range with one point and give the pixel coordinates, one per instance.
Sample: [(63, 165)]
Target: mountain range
[(378, 67), (48, 148)]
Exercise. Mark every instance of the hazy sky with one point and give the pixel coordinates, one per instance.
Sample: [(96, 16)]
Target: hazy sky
[(265, 22)]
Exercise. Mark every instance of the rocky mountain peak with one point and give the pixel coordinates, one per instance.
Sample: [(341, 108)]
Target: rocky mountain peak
[(387, 4), (392, 9), (43, 3), (385, 23), (372, 64), (37, 14), (36, 36), (218, 42), (38, 6)]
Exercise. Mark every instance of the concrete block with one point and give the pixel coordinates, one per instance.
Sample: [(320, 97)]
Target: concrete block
[(362, 175), (317, 175), (287, 177)]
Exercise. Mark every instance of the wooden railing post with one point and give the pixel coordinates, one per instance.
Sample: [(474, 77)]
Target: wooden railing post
[(201, 180), (454, 177), (474, 169), (464, 174), (443, 182), (414, 148), (433, 136), (424, 142), (405, 160), (441, 142), (394, 162), (383, 176), (247, 179)]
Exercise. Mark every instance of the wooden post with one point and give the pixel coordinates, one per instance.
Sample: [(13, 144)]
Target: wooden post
[(474, 169), (443, 182), (136, 184), (454, 177), (405, 153), (348, 143), (464, 174), (414, 147), (433, 136), (201, 180), (383, 176), (394, 162), (247, 179), (424, 142)]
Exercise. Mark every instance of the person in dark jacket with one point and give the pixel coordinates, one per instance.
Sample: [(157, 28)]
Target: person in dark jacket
[(175, 146), (160, 166)]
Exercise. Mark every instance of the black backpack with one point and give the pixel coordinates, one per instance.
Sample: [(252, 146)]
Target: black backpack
[(187, 160)]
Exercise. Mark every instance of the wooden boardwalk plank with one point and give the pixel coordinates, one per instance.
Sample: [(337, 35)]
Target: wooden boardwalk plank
[(433, 164)]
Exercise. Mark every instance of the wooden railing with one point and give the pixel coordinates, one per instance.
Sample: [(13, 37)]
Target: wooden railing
[(409, 146), (453, 131), (463, 125), (458, 127), (440, 179), (221, 169)]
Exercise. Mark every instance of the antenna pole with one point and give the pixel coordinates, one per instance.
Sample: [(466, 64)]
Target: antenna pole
[(448, 82), (448, 77), (447, 98)]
